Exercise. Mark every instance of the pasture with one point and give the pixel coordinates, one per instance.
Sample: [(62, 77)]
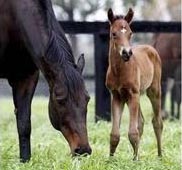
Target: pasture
[(50, 150)]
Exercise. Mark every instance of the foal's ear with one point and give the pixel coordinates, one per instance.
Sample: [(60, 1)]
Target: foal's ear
[(81, 63), (110, 15), (129, 16)]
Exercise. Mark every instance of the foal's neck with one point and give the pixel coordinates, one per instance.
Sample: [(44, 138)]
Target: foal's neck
[(115, 60)]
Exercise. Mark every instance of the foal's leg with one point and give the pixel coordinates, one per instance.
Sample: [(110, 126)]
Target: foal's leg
[(134, 129), (23, 91), (140, 121), (117, 109), (154, 95)]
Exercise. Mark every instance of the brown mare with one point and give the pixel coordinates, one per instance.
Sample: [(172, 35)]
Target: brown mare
[(131, 71), (31, 39), (169, 48)]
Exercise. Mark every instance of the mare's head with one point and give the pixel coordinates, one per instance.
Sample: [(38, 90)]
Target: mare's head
[(120, 33), (68, 106)]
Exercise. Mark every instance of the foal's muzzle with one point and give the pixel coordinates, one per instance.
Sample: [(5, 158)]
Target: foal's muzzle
[(126, 53)]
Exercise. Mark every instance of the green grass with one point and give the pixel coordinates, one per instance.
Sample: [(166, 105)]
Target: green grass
[(50, 150)]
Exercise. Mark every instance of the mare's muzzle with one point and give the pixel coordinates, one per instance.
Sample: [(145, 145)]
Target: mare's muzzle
[(126, 53), (85, 150)]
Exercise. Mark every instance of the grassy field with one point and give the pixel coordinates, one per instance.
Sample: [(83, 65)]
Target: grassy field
[(50, 150)]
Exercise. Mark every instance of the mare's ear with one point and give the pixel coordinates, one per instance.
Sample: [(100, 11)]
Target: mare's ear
[(81, 63), (60, 92), (110, 15), (129, 16)]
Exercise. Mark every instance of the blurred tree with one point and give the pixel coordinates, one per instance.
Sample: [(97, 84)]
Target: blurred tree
[(129, 3), (155, 9), (174, 7), (144, 10), (81, 9)]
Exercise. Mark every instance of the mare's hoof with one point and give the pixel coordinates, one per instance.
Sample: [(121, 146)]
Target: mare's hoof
[(136, 158), (164, 114), (24, 160), (111, 154)]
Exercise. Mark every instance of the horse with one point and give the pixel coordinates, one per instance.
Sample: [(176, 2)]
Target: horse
[(132, 70), (31, 40), (176, 94), (169, 49)]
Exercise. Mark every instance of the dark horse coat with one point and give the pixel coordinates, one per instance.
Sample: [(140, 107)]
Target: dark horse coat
[(169, 49), (32, 40)]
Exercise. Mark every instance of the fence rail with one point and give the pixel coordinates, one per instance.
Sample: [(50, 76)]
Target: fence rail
[(103, 27)]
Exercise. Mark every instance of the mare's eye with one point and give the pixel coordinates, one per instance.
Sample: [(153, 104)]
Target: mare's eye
[(87, 98), (61, 101)]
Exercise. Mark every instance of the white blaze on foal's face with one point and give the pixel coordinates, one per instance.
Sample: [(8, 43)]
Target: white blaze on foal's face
[(122, 47), (123, 30)]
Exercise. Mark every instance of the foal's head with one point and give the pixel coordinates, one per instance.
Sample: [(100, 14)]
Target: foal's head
[(120, 33)]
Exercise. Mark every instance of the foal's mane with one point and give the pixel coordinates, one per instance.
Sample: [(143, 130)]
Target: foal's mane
[(59, 52), (116, 17)]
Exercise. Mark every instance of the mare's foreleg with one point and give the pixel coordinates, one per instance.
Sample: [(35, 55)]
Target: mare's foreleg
[(178, 110), (172, 103), (116, 109), (163, 99), (23, 91)]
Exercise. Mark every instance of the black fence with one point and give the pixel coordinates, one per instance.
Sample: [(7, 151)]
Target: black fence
[(100, 31), (136, 26)]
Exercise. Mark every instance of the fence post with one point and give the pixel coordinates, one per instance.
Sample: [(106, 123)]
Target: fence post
[(101, 45)]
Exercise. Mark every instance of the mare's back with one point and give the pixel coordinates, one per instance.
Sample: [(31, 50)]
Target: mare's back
[(169, 48), (168, 45), (15, 60)]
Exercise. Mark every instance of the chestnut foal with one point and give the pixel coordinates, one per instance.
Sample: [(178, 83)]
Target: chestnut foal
[(131, 71)]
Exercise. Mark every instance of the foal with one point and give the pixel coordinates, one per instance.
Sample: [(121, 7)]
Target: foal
[(131, 71)]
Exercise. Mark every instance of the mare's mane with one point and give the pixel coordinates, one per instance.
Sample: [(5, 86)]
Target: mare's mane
[(59, 51)]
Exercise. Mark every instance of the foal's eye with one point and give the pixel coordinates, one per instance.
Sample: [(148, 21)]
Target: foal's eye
[(130, 34), (114, 35)]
